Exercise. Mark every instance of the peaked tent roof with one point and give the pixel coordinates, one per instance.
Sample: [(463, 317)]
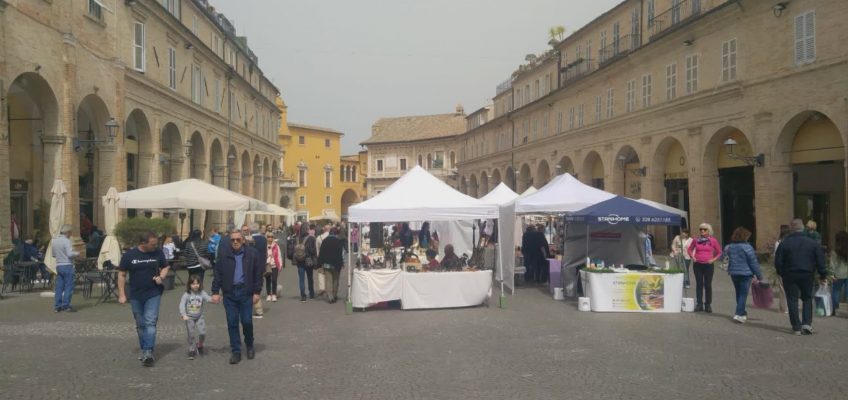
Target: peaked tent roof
[(190, 194), (562, 194), (621, 210), (420, 196), (529, 191), (501, 194)]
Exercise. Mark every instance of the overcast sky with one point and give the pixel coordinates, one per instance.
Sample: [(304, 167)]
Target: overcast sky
[(343, 64)]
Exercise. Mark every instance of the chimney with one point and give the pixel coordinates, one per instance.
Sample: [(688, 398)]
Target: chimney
[(460, 110)]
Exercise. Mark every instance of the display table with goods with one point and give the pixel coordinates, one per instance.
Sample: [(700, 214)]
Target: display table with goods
[(621, 290)]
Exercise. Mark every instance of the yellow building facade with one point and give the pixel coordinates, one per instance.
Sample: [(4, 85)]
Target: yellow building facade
[(311, 162)]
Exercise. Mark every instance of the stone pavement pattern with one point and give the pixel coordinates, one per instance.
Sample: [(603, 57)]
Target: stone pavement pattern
[(537, 348)]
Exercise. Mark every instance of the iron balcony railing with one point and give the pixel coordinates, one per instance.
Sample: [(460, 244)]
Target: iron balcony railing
[(578, 69), (679, 12), (618, 48)]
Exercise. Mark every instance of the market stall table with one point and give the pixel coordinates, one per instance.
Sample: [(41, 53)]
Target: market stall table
[(445, 289), (633, 291), (374, 286)]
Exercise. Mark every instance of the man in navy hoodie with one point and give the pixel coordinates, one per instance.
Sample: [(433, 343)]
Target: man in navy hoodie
[(797, 259)]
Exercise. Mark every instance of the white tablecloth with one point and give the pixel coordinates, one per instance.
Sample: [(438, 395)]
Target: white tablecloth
[(633, 292), (374, 286), (445, 289)]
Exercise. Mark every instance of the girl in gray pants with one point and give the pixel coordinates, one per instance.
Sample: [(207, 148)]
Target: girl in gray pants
[(191, 309)]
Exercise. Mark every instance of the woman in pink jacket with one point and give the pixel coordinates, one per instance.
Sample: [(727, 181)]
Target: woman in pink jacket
[(274, 262), (704, 251)]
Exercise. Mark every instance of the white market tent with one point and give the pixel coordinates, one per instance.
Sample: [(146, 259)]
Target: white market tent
[(189, 194), (563, 194), (529, 191), (419, 196), (501, 194)]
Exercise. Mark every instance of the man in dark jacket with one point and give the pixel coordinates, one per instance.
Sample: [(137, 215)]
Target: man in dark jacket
[(238, 273), (797, 259), (330, 257)]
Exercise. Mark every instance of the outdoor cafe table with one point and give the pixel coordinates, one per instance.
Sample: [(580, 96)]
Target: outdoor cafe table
[(633, 291)]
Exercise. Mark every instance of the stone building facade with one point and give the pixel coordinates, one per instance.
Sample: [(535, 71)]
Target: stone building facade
[(735, 111), (184, 94)]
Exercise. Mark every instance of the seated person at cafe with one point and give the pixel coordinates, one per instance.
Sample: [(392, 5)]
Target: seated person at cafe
[(432, 263), (450, 261)]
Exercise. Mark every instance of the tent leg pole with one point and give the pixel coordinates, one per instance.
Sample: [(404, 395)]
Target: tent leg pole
[(502, 295), (349, 303)]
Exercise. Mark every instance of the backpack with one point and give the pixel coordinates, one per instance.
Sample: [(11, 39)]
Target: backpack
[(299, 254), (212, 247)]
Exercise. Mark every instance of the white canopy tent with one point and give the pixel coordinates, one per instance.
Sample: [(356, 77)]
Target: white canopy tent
[(419, 196), (563, 194), (529, 191), (189, 194), (501, 194)]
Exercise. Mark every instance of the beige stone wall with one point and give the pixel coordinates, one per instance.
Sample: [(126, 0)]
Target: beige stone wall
[(87, 74)]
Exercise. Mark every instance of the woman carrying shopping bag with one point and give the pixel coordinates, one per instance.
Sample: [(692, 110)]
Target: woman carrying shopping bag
[(742, 265)]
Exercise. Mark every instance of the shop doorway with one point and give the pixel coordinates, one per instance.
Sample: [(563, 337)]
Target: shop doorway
[(677, 196), (816, 207), (736, 187)]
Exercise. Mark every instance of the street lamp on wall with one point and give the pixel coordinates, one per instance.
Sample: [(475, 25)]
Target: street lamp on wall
[(758, 160), (187, 148), (111, 132)]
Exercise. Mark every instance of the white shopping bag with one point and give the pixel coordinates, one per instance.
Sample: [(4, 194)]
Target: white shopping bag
[(824, 305)]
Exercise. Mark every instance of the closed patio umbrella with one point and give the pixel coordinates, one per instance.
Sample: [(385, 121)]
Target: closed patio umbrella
[(57, 218), (111, 248)]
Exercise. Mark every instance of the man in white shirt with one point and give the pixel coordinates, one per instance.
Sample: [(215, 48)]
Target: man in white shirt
[(64, 254), (320, 268)]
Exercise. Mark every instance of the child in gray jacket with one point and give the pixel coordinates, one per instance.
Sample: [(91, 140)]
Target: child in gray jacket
[(191, 310)]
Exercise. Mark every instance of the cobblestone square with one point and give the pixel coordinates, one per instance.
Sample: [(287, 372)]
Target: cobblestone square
[(537, 348)]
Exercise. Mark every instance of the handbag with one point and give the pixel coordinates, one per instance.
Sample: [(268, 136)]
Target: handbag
[(204, 262), (762, 294)]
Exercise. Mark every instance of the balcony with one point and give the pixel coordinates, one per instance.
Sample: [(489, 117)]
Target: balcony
[(619, 48), (577, 69), (674, 16)]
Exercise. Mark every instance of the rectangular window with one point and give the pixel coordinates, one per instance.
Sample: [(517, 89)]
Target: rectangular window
[(173, 7), (217, 94), (580, 116), (301, 139), (671, 81), (216, 44), (379, 165), (535, 129), (172, 68), (327, 143), (518, 97), (527, 94), (196, 84), (588, 50), (536, 90), (301, 178), (403, 164), (327, 200), (328, 179), (302, 200), (545, 117), (650, 13), (616, 32), (728, 61), (692, 74), (138, 47), (194, 27), (647, 89), (603, 45), (571, 118), (631, 96), (597, 108), (610, 103), (95, 9), (559, 122), (805, 38)]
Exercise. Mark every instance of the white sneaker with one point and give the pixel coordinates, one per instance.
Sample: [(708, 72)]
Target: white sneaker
[(740, 318), (268, 298), (274, 298), (257, 317)]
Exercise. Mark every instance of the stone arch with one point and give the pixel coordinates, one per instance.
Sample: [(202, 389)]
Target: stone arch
[(810, 146), (593, 170), (171, 153), (35, 144), (565, 165), (233, 169), (728, 184), (525, 178), (197, 159), (138, 142), (509, 179), (266, 180), (473, 186), (452, 160), (496, 178), (543, 173), (92, 163), (349, 198), (463, 185), (484, 183), (217, 164), (246, 174), (628, 171)]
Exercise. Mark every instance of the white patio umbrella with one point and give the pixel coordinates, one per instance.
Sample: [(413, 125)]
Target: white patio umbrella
[(111, 248), (57, 218), (189, 194)]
